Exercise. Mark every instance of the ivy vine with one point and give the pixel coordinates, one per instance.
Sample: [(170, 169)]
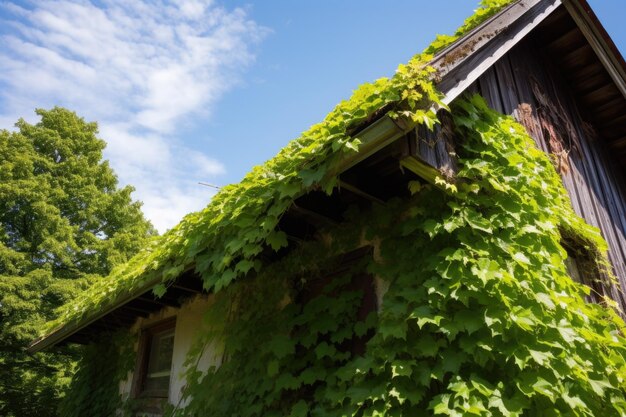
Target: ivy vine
[(480, 316), (223, 241), (94, 390)]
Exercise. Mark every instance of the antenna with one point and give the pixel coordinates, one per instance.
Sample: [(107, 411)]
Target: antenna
[(209, 185)]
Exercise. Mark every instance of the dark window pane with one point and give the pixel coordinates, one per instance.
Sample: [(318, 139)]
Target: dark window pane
[(161, 350), (572, 268), (159, 363)]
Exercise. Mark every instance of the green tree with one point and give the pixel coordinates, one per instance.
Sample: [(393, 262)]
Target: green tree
[(64, 222)]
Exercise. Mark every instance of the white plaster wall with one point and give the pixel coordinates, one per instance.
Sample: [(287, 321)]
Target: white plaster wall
[(189, 325)]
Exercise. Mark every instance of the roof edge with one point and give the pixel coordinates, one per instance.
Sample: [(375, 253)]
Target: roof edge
[(64, 331), (467, 59), (599, 40), (374, 137), (477, 29)]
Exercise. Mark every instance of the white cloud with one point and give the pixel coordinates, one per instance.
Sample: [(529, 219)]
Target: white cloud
[(141, 68)]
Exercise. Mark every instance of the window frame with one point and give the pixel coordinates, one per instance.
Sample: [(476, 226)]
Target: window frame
[(583, 270), (140, 375)]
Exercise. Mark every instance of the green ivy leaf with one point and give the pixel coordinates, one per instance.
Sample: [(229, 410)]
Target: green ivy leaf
[(277, 240), (159, 290), (521, 258), (281, 346), (300, 409), (311, 176), (272, 368)]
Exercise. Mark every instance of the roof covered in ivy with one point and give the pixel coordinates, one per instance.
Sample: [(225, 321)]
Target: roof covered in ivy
[(222, 242)]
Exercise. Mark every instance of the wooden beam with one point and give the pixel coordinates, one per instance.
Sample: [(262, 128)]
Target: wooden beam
[(571, 37), (599, 94), (313, 216), (114, 323), (583, 75), (421, 169), (373, 138), (449, 58), (465, 61), (153, 301), (190, 281), (357, 191), (297, 229), (593, 32), (609, 110), (138, 311), (578, 58), (121, 315), (187, 289)]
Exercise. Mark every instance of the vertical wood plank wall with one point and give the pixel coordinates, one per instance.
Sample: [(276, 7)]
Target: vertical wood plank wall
[(594, 183)]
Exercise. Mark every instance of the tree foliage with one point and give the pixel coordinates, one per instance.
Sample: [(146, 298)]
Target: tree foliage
[(63, 222), (60, 206)]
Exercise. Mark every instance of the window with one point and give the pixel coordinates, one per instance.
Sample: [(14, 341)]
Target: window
[(154, 362), (582, 269), (572, 268)]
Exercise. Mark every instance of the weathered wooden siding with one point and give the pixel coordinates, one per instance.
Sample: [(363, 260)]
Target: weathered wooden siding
[(436, 147), (528, 85)]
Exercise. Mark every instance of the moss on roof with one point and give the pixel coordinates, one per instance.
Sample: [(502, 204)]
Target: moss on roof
[(222, 241)]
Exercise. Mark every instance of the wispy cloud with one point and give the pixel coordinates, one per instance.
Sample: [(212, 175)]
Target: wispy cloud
[(142, 68)]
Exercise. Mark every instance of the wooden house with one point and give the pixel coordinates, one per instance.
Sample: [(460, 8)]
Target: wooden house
[(548, 63)]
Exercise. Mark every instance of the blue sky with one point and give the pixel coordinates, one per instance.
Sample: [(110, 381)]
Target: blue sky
[(188, 91)]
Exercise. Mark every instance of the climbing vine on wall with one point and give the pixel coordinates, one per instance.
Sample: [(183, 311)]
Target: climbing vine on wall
[(94, 390), (480, 317), (223, 241)]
